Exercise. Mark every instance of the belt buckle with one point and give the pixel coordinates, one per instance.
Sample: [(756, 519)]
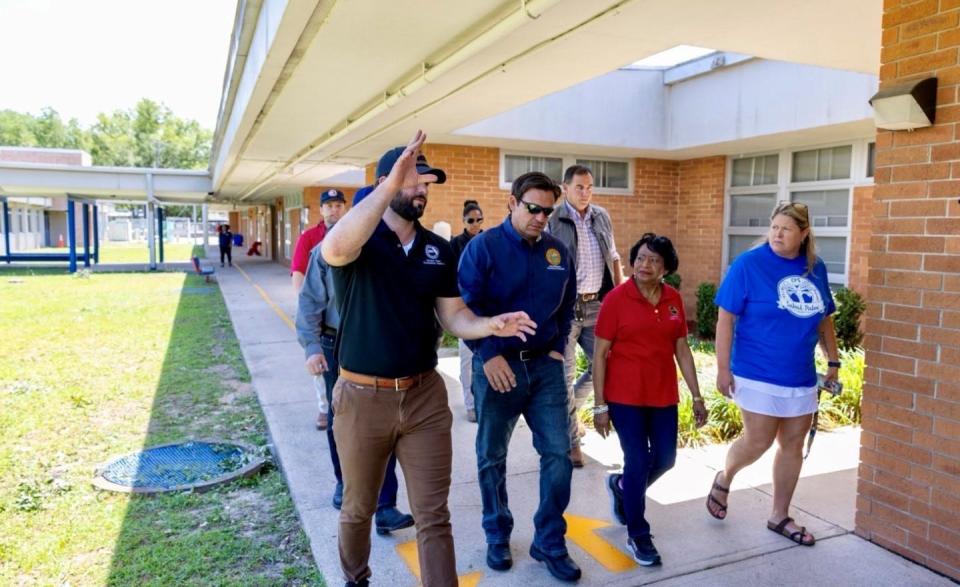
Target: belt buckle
[(525, 356), (396, 385)]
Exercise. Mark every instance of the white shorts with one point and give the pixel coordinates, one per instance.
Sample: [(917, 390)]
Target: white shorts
[(768, 399)]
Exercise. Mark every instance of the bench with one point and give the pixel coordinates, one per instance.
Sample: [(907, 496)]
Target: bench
[(206, 272)]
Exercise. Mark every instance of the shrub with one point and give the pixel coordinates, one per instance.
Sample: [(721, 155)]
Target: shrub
[(673, 280), (850, 306), (706, 310)]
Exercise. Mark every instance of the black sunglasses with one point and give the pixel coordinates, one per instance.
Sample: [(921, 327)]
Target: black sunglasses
[(472, 220), (534, 209)]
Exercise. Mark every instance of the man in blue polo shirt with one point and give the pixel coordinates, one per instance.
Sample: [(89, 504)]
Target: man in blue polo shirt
[(516, 266)]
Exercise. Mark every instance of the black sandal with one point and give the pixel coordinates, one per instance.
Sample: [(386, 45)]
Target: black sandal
[(797, 537), (721, 508)]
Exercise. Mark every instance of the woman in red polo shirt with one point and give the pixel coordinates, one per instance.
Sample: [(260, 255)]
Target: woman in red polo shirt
[(641, 328)]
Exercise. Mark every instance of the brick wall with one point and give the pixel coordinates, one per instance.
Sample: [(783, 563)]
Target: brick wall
[(860, 230), (909, 484), (699, 231), (40, 155)]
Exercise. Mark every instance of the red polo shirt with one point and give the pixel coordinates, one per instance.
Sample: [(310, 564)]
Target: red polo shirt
[(640, 365), (308, 239)]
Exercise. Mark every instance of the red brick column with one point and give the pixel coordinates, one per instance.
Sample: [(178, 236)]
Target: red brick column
[(909, 486)]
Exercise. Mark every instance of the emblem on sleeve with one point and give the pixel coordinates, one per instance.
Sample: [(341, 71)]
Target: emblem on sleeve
[(553, 257), (799, 296)]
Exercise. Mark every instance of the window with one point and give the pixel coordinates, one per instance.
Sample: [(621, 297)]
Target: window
[(822, 164), (871, 158), (821, 178), (755, 171), (516, 165), (608, 174)]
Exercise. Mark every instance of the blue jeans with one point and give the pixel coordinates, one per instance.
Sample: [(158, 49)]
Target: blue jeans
[(648, 437), (541, 397), (388, 493), (580, 388)]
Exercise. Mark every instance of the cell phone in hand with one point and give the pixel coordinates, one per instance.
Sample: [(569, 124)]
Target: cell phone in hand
[(834, 387)]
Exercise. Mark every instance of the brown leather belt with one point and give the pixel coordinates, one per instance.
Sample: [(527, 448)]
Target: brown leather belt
[(588, 297), (398, 384)]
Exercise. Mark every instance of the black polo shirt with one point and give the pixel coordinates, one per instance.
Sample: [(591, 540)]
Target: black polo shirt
[(387, 301)]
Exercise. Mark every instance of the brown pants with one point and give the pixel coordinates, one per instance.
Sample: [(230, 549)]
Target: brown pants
[(415, 424)]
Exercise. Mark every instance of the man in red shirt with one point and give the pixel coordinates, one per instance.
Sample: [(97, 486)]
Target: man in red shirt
[(333, 205)]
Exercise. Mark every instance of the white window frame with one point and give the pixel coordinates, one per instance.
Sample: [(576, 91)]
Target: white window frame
[(785, 187), (569, 160)]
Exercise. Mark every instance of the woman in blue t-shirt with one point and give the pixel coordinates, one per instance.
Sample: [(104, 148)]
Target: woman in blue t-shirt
[(775, 305)]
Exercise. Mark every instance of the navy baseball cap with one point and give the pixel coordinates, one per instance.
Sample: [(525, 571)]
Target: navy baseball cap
[(331, 195), (423, 168), (362, 193)]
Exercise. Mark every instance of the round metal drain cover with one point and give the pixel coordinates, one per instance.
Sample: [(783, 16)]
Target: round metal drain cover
[(197, 465)]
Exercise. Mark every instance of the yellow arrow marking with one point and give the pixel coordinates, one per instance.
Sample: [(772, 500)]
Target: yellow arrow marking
[(408, 552), (582, 532)]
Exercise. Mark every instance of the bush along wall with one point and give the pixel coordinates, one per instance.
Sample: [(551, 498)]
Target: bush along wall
[(706, 310)]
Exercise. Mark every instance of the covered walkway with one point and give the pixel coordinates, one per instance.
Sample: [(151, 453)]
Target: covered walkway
[(696, 549)]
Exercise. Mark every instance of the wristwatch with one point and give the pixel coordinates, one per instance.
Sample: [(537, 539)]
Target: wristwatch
[(601, 409), (833, 364)]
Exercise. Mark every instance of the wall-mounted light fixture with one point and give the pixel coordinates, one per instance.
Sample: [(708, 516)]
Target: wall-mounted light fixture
[(906, 106)]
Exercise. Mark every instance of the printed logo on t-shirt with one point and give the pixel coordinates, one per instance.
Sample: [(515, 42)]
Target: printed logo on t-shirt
[(433, 255), (799, 296)]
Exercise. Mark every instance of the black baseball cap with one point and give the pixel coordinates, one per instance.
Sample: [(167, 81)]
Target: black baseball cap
[(332, 194), (423, 168)]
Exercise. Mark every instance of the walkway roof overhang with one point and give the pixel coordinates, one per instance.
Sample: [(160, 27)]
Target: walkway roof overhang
[(163, 186), (315, 85)]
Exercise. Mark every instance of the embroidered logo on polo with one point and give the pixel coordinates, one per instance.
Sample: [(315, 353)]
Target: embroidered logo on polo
[(433, 255), (553, 257), (799, 296), (674, 311)]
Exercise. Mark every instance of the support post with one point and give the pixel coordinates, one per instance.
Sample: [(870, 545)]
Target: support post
[(151, 227), (72, 234), (96, 235), (160, 230), (85, 218), (6, 229), (205, 219)]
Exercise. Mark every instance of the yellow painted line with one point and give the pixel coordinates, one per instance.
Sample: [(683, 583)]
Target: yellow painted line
[(286, 319), (581, 531), (408, 552)]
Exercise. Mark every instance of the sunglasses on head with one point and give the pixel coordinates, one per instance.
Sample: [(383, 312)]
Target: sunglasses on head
[(535, 209), (785, 205), (472, 220)]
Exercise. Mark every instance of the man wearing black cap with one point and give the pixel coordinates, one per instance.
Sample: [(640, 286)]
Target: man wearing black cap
[(393, 279), (318, 323)]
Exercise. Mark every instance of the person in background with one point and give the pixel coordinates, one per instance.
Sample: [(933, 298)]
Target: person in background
[(587, 231), (642, 329), (332, 207), (775, 305), (226, 244), (472, 226)]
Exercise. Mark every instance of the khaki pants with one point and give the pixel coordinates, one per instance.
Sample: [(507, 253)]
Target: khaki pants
[(415, 424)]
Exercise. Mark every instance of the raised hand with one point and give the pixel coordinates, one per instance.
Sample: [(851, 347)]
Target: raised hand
[(516, 324), (404, 173)]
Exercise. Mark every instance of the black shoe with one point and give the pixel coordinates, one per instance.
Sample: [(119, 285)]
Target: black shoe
[(561, 567), (338, 496), (360, 583), (643, 550), (499, 557), (391, 519), (616, 498)]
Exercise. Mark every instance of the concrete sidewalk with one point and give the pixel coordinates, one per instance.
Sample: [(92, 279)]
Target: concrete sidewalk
[(696, 549)]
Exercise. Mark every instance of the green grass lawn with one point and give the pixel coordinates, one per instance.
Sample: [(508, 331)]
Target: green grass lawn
[(96, 367), (136, 252)]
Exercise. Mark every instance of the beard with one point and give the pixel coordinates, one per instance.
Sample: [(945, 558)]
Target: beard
[(406, 208)]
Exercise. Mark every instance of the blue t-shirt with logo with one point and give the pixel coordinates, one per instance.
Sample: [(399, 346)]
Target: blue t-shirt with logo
[(778, 310)]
